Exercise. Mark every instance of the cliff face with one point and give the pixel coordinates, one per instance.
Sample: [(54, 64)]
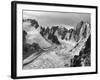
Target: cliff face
[(58, 46)]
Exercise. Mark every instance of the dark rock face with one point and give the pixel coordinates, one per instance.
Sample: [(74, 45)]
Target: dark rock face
[(24, 35), (42, 31), (32, 21), (78, 27), (50, 33), (62, 32), (53, 29), (85, 32), (30, 49), (27, 48), (76, 61), (53, 38), (84, 55), (77, 31)]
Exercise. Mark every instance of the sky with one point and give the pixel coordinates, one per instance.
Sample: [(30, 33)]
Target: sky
[(47, 18)]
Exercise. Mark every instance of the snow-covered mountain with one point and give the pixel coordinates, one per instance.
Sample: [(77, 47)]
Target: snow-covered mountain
[(61, 35), (60, 44)]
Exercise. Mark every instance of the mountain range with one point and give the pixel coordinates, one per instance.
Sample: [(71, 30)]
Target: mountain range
[(70, 42)]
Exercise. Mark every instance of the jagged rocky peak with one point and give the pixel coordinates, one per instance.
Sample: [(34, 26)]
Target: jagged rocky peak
[(56, 33), (83, 27), (81, 31)]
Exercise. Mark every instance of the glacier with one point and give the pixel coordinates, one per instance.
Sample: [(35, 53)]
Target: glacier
[(52, 54)]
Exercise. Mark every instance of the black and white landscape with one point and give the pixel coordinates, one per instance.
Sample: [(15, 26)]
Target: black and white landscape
[(56, 39)]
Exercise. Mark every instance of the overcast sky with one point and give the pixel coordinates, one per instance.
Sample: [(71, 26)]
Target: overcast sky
[(53, 18)]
